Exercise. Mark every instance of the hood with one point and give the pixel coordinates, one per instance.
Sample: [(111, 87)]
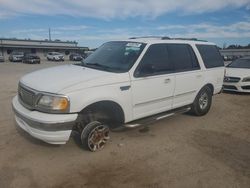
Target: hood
[(56, 79), (237, 72)]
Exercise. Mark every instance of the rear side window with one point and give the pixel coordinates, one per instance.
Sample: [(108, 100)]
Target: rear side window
[(210, 56), (182, 57)]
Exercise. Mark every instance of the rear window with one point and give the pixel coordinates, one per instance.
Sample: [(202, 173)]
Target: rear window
[(210, 56)]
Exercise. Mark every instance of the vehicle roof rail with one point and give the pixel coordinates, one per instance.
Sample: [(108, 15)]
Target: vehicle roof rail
[(150, 37), (193, 39), (167, 38)]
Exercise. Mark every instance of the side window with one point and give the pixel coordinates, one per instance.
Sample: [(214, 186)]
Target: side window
[(183, 57), (155, 61), (210, 56)]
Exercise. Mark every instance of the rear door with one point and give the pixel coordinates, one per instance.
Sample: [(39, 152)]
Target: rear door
[(188, 77), (153, 83)]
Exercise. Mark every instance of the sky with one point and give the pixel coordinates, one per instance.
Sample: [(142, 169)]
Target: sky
[(93, 22)]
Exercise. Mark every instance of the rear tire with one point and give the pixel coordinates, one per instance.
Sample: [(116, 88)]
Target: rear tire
[(202, 102)]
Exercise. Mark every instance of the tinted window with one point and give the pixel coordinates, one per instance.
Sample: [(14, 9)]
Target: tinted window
[(210, 55), (155, 61), (117, 56), (183, 57)]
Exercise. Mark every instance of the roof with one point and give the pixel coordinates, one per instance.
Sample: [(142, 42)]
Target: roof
[(30, 40), (21, 43), (45, 47), (153, 39)]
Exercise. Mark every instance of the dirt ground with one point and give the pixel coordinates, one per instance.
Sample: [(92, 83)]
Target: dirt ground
[(181, 151)]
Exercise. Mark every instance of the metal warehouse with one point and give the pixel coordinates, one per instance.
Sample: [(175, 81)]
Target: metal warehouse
[(39, 47), (235, 52)]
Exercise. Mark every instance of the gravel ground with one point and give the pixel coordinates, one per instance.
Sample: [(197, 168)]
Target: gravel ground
[(181, 151)]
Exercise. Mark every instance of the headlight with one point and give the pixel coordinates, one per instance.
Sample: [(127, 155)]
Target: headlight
[(247, 79), (53, 103)]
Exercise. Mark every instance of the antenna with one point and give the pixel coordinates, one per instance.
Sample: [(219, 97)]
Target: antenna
[(49, 35)]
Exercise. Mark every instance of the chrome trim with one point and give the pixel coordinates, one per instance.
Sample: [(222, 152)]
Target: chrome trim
[(231, 79), (165, 116), (157, 117)]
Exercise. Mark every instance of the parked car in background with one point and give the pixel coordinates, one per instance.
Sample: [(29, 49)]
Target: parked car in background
[(1, 58), (231, 57), (237, 77), (123, 83), (16, 57), (75, 57), (55, 56), (31, 59)]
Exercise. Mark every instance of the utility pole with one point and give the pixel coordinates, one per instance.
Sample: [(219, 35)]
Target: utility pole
[(49, 35)]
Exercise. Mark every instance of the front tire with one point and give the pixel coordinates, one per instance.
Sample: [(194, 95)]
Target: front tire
[(94, 136), (202, 102)]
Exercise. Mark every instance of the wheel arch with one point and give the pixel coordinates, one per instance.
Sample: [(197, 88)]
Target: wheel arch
[(210, 86), (111, 109)]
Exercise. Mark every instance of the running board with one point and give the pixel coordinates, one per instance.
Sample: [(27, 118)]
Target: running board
[(152, 119)]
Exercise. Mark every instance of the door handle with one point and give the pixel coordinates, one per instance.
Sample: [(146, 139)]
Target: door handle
[(198, 76), (167, 80)]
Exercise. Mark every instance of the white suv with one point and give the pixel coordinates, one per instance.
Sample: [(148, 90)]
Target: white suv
[(123, 83)]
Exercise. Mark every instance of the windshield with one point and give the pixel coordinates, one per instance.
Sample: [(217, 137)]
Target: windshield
[(117, 56), (240, 63)]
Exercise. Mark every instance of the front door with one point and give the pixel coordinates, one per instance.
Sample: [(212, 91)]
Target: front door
[(153, 83)]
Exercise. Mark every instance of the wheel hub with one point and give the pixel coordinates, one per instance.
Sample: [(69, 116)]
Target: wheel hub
[(203, 101), (98, 137)]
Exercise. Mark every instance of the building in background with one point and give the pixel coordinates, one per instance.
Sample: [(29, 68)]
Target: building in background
[(235, 52), (39, 47)]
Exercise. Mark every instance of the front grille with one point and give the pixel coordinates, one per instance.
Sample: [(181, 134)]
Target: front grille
[(245, 87), (26, 96), (231, 79), (229, 87)]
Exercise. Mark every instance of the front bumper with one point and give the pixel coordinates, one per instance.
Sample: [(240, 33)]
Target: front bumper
[(238, 86), (58, 58), (51, 128)]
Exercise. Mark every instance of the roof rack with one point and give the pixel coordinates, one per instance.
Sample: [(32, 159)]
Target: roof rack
[(194, 39), (167, 38), (151, 37)]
